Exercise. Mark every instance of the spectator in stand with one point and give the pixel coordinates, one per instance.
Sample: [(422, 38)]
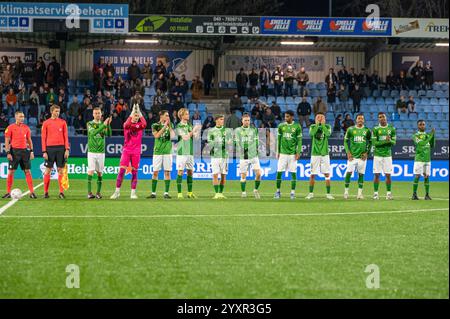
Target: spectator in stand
[(80, 125), (304, 112), (87, 114), (364, 81), (42, 100), (178, 104), (177, 92), (236, 103), (63, 107), (151, 119), (161, 83), (116, 124), (125, 92), (278, 81), (401, 80), (208, 74), (160, 69), (401, 105), (99, 80), (109, 82), (196, 88), (257, 112), (352, 80), (23, 100), (342, 94), (109, 67), (11, 103), (429, 76), (120, 106), (241, 81), (233, 121), (331, 78), (99, 65), (208, 123), (375, 81), (319, 107), (55, 69), (302, 80), (268, 119), (63, 78), (331, 96), (356, 96), (74, 111), (18, 69), (417, 73), (134, 72), (184, 84), (7, 74), (337, 127), (171, 81), (347, 122), (39, 74), (264, 79), (51, 98), (34, 105), (4, 123), (138, 87), (109, 104), (4, 63), (411, 105), (159, 100), (147, 74), (289, 77), (276, 110), (391, 81), (342, 76), (253, 83)]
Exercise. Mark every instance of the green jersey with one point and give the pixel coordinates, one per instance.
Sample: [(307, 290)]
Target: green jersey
[(247, 141), (96, 136), (319, 138), (379, 140), (219, 139), (163, 144), (184, 147), (360, 140), (424, 142), (289, 138)]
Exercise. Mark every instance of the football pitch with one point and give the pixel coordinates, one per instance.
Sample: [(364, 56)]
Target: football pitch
[(233, 248)]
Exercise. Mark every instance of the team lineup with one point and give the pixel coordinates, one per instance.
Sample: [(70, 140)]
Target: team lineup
[(359, 142)]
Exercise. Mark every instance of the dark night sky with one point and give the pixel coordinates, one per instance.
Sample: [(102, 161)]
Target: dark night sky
[(318, 8)]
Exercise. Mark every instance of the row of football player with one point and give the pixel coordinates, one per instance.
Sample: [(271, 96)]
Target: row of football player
[(358, 141)]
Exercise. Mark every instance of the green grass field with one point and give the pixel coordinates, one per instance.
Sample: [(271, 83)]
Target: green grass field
[(234, 248)]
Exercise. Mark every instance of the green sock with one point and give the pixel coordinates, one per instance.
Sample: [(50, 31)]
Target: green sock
[(427, 185), (415, 184), (243, 186), (189, 183), (328, 189), (279, 179), (257, 183), (154, 183), (99, 183), (167, 185), (216, 188), (360, 181), (221, 187), (311, 188), (347, 180), (179, 181), (294, 181), (376, 185), (89, 183), (388, 186)]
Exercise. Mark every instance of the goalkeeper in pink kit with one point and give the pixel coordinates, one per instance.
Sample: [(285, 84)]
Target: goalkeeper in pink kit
[(133, 129)]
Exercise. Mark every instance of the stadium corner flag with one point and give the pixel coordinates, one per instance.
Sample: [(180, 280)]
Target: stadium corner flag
[(65, 179)]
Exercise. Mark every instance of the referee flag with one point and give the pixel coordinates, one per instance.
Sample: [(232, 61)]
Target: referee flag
[(65, 179)]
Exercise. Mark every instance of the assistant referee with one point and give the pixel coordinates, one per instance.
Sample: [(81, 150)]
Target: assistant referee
[(55, 148), (19, 150)]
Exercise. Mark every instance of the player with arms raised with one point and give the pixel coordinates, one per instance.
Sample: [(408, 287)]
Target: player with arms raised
[(383, 139), (97, 132), (19, 150), (247, 142), (133, 130), (55, 148), (423, 142), (320, 155), (289, 150), (219, 139), (357, 144), (185, 151), (162, 152)]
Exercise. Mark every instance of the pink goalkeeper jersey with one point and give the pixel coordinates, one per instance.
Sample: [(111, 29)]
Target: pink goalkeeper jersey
[(133, 135)]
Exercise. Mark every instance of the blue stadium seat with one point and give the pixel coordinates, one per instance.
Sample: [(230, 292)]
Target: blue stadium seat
[(389, 100), (434, 101), (430, 93), (232, 85), (32, 121), (412, 93), (385, 93), (436, 108), (244, 99), (443, 101), (440, 94), (270, 99), (376, 93), (321, 86), (404, 93), (262, 99), (289, 100), (201, 107), (280, 100), (311, 86), (413, 116), (12, 120), (314, 93), (390, 108), (223, 85), (425, 100), (192, 107), (403, 117), (395, 93), (430, 116), (428, 108), (379, 101), (323, 93), (422, 93), (436, 86)]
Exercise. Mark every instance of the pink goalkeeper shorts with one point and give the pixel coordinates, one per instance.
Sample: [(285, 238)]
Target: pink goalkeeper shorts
[(128, 158)]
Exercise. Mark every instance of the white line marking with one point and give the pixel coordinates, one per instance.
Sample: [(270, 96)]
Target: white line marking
[(229, 215), (13, 201)]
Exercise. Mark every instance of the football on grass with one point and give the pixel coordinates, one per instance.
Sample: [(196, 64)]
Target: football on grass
[(16, 193)]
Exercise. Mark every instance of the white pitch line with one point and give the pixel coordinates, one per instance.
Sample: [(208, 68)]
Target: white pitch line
[(13, 201), (230, 215)]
